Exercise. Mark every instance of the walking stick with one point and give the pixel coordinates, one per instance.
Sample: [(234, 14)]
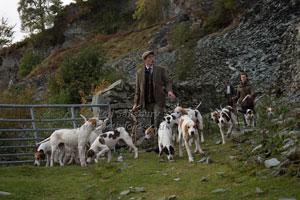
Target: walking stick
[(134, 126)]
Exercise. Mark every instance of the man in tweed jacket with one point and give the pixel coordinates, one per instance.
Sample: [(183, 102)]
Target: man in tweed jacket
[(149, 91)]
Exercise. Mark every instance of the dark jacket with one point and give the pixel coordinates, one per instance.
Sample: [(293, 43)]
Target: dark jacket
[(242, 91), (232, 93), (160, 80)]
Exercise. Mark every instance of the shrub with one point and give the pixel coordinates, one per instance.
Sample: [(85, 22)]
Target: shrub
[(78, 75), (27, 63), (221, 16), (149, 12), (180, 35)]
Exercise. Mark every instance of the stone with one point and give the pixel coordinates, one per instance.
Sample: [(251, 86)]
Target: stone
[(162, 198), (120, 159), (256, 148), (204, 179), (202, 160), (294, 154), (140, 189), (287, 199), (172, 197), (288, 144), (4, 193), (219, 190), (91, 186), (258, 190), (209, 160), (126, 192), (218, 142), (232, 157), (271, 163), (176, 179)]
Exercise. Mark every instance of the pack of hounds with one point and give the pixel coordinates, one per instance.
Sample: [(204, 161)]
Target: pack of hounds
[(183, 127)]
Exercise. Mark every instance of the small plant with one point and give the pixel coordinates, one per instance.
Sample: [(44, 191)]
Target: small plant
[(180, 35), (27, 63)]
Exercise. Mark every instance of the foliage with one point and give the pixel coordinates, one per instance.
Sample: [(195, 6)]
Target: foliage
[(105, 16), (149, 12), (6, 33), (37, 15), (185, 40), (221, 16), (79, 74), (184, 64), (180, 35), (28, 61)]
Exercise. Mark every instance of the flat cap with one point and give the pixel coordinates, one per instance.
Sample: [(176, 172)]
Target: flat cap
[(147, 53)]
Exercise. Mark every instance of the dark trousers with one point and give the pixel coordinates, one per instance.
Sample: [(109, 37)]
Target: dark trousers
[(229, 99), (156, 114)]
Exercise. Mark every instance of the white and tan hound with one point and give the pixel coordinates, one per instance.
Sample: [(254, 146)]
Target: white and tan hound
[(225, 118), (187, 130), (194, 114)]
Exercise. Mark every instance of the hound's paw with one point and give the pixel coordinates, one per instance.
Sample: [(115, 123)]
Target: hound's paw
[(191, 161), (136, 156)]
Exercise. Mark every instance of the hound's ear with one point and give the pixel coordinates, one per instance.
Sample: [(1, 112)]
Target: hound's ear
[(172, 151), (174, 117), (186, 128), (91, 153), (93, 121), (42, 156)]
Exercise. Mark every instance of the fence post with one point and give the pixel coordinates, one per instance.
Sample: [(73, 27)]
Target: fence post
[(34, 125), (109, 117), (73, 117)]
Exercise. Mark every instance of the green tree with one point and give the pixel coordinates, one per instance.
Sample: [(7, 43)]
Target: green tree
[(27, 63), (37, 15), (149, 12), (76, 75), (6, 33)]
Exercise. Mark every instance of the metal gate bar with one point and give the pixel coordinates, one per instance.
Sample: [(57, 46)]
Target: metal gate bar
[(36, 130)]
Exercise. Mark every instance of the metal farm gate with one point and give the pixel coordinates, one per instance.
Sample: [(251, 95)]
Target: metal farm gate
[(15, 146)]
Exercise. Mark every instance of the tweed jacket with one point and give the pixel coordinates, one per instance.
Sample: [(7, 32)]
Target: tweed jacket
[(160, 80), (242, 91)]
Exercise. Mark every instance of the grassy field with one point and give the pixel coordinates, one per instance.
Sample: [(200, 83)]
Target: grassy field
[(107, 180)]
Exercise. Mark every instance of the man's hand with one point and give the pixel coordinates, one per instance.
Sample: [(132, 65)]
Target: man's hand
[(171, 94), (135, 106)]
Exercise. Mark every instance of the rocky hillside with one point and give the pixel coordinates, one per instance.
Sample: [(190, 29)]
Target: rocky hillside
[(263, 40)]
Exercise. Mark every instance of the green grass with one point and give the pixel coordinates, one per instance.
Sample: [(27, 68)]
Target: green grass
[(106, 180)]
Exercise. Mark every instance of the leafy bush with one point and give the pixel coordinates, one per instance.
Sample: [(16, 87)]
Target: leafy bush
[(105, 16), (79, 74), (27, 63), (221, 16), (180, 35), (149, 12), (185, 64)]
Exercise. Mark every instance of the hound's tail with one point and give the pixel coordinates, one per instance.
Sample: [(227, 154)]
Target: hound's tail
[(45, 140)]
